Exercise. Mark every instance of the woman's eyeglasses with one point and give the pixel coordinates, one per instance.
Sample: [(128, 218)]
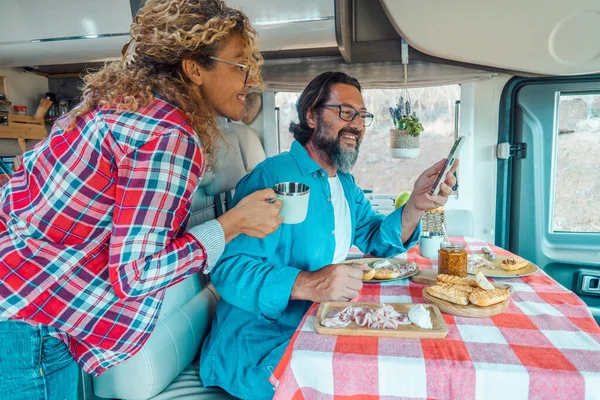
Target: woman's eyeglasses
[(242, 67), (348, 113)]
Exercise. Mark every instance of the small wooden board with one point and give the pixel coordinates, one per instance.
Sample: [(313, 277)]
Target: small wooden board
[(426, 276), (439, 331), (470, 310), (371, 261)]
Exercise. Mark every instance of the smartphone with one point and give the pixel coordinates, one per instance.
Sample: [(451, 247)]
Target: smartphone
[(435, 189)]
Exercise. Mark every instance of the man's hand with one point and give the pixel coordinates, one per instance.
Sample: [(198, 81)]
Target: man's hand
[(420, 198), (334, 282)]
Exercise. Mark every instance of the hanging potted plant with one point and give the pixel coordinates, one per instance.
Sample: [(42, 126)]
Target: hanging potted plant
[(404, 136)]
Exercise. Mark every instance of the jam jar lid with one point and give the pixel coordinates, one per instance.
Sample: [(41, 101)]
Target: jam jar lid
[(452, 246)]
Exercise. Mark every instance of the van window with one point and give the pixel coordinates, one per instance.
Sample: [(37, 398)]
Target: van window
[(375, 169), (577, 172)]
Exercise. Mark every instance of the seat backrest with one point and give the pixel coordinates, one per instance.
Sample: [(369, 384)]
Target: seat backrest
[(188, 307), (240, 155), (459, 223)]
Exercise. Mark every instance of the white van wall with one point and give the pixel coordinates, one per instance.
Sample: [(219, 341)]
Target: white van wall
[(480, 102), (25, 89)]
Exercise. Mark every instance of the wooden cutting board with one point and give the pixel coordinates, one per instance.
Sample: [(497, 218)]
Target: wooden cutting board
[(470, 310), (426, 276), (439, 331)]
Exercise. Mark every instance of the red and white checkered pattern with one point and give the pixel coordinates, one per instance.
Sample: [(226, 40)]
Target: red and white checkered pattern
[(546, 345)]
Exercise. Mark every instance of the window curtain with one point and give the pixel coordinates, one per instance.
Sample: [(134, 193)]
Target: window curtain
[(292, 75)]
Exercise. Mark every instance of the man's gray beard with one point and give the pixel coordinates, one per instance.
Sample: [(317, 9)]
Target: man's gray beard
[(342, 160)]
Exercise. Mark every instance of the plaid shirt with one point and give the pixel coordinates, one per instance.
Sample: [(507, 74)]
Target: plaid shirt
[(92, 229)]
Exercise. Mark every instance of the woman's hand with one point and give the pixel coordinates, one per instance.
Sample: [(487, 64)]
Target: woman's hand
[(256, 215)]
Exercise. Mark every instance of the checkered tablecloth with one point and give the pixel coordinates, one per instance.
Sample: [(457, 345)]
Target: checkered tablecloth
[(546, 345)]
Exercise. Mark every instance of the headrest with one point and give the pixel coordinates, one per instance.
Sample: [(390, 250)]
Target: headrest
[(250, 145), (241, 152), (228, 169)]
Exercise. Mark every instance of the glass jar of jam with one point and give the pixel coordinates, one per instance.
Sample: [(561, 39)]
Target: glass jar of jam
[(452, 259)]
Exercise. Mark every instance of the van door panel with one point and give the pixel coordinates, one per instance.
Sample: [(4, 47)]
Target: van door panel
[(532, 116)]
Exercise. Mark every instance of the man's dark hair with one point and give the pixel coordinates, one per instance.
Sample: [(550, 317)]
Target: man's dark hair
[(313, 97)]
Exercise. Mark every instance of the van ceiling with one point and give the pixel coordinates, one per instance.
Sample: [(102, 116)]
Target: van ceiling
[(39, 33), (290, 24), (535, 37), (553, 37), (57, 32)]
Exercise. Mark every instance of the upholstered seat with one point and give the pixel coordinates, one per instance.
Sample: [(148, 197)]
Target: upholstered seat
[(187, 386)]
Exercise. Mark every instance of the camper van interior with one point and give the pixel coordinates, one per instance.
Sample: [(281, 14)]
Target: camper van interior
[(520, 81)]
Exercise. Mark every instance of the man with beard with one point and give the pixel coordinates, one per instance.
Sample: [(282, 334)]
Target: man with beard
[(267, 285)]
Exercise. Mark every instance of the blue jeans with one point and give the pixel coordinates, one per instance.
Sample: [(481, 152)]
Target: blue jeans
[(35, 365)]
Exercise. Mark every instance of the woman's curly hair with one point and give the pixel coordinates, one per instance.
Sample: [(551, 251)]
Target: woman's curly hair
[(166, 32)]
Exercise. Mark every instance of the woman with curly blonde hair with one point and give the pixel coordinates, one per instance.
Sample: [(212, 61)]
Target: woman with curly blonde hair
[(93, 225)]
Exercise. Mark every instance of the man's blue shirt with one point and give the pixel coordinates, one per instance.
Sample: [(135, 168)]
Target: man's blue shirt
[(255, 317)]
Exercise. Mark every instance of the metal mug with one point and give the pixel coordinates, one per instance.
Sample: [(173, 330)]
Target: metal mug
[(429, 244), (294, 196)]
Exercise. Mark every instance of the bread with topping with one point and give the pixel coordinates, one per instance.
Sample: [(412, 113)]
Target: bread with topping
[(486, 298), (449, 294), (463, 288), (368, 274), (456, 280), (386, 273), (513, 263)]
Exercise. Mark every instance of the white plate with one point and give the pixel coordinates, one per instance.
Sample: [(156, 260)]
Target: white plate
[(499, 272)]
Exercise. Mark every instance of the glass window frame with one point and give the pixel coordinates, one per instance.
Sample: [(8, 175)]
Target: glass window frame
[(554, 167)]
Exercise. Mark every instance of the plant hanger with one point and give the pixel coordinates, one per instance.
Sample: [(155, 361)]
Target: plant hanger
[(404, 93), (404, 137)]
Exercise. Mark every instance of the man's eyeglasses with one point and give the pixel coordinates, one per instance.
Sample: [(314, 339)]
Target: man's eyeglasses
[(242, 67), (348, 113)]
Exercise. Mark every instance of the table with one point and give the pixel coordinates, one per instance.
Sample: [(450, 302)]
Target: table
[(546, 345)]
